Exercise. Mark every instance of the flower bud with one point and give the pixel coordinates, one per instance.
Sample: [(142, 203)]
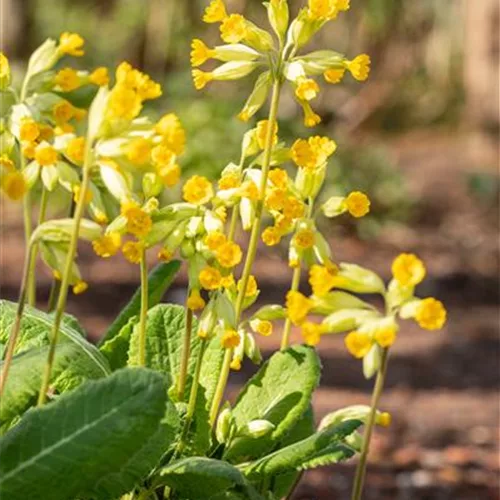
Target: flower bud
[(317, 62), (278, 14), (258, 38), (346, 319), (114, 180), (235, 52), (234, 70), (337, 301), (247, 213), (256, 99), (4, 72), (354, 412), (270, 313), (43, 58), (334, 206), (371, 361), (397, 294), (224, 424), (151, 184), (358, 279), (251, 349), (187, 249), (31, 174), (194, 227), (257, 428), (212, 223), (60, 230), (303, 29)]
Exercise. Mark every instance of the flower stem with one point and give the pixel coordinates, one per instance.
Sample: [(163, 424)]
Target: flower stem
[(17, 321), (193, 395), (252, 246), (288, 324), (359, 478), (186, 347), (144, 309), (63, 291), (28, 230)]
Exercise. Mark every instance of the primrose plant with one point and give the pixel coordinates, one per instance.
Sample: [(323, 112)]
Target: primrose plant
[(142, 415)]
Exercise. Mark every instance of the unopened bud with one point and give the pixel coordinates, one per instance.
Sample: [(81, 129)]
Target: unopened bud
[(257, 428)]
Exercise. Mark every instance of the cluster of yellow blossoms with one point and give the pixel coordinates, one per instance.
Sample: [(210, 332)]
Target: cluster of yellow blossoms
[(249, 48)]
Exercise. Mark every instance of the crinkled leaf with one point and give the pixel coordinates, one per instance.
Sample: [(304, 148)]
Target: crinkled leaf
[(323, 445), (199, 478), (159, 280), (64, 449), (280, 392), (71, 364), (116, 348)]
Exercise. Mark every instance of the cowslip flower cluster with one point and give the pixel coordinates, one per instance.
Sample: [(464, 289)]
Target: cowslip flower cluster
[(249, 48)]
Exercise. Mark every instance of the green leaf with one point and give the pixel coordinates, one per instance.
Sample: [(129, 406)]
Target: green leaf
[(322, 447), (199, 478), (35, 331), (116, 348), (280, 392), (283, 483), (71, 367), (159, 280), (64, 449)]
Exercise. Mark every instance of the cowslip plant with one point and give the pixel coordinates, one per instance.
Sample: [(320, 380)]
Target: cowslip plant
[(141, 415)]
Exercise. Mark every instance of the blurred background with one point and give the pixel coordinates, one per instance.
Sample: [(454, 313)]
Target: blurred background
[(420, 137)]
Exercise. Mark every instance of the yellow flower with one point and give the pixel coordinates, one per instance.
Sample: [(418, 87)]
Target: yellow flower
[(76, 195), (263, 327), (229, 254), (123, 103), (293, 208), (165, 255), (323, 9), (229, 181), (386, 336), (162, 155), (252, 287), (71, 44), (99, 76), (307, 89), (201, 78), (322, 279), (132, 251), (170, 175), (215, 12), (261, 133), (227, 281), (235, 364), (6, 163), (279, 177), (200, 53), (107, 245), (75, 149), (282, 223), (29, 130), (359, 67), (14, 185), (304, 238), (271, 236), (63, 111), (311, 119), (79, 287), (358, 344), (198, 190), (357, 204), (311, 333), (214, 240), (275, 199), (298, 307), (249, 190), (230, 339), (313, 152), (210, 278), (45, 155), (28, 150), (431, 314), (334, 75), (195, 301), (384, 419), (139, 222), (234, 28), (408, 269), (67, 79), (4, 67), (138, 151), (173, 135)]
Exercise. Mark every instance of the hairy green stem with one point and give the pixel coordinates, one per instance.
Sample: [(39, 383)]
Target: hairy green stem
[(17, 321), (63, 291), (252, 246), (193, 395), (186, 348), (288, 324), (144, 309), (359, 478), (28, 231)]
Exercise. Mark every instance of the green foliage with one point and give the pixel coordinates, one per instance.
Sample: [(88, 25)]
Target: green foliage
[(116, 348), (159, 280), (71, 367), (321, 448), (280, 393), (94, 435)]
